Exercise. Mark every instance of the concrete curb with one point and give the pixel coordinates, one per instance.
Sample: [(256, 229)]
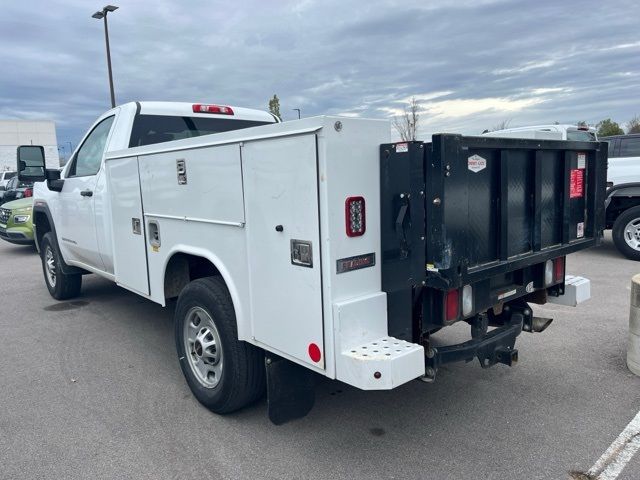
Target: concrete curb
[(633, 346)]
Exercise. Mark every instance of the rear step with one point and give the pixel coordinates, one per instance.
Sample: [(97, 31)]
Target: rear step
[(381, 364)]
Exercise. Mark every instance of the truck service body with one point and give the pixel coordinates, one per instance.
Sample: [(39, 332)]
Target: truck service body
[(317, 245)]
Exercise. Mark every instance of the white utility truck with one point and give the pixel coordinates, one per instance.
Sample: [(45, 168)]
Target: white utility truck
[(316, 246)]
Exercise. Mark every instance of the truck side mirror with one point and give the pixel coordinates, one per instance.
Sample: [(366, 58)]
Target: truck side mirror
[(31, 163)]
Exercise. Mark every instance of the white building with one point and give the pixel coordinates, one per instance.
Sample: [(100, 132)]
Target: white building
[(27, 132)]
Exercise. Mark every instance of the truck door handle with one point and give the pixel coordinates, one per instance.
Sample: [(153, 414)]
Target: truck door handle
[(86, 193)]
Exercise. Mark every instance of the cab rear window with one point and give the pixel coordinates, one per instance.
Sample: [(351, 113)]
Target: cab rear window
[(581, 136), (150, 129)]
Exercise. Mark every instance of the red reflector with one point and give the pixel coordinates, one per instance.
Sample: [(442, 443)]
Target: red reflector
[(27, 193), (314, 352), (355, 216), (576, 185), (219, 109), (558, 269), (451, 305)]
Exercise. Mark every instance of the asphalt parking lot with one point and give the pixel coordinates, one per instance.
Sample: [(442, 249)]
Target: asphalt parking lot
[(92, 389)]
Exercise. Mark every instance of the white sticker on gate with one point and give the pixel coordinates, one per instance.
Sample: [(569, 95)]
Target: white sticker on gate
[(402, 147), (580, 230), (582, 160), (476, 163)]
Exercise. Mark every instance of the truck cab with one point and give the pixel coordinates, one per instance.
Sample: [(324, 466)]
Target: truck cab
[(81, 207), (623, 194)]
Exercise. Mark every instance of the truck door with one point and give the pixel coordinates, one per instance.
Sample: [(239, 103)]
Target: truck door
[(77, 226), (128, 226), (283, 235)]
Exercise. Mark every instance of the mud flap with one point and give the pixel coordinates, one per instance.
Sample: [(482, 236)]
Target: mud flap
[(290, 389)]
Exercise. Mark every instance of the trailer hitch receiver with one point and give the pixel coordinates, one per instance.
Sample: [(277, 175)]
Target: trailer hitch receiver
[(497, 346)]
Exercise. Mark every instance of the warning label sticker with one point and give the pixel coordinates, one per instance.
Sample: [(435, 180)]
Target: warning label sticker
[(476, 163), (576, 183), (582, 160), (402, 147)]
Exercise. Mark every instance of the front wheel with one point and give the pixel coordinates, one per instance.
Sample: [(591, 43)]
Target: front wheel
[(224, 373), (61, 286), (626, 233)]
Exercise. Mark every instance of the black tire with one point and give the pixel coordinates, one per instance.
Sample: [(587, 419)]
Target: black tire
[(242, 377), (61, 286), (618, 233)]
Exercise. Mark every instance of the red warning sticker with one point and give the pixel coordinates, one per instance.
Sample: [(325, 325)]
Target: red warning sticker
[(576, 186)]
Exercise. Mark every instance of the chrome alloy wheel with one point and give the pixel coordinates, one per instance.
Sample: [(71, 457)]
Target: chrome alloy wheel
[(50, 266), (632, 233), (203, 347)]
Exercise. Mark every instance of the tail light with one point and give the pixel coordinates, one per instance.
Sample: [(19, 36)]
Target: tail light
[(28, 192), (355, 216), (553, 271), (558, 269), (451, 305), (219, 109)]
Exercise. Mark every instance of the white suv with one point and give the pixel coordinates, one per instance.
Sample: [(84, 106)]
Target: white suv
[(5, 176)]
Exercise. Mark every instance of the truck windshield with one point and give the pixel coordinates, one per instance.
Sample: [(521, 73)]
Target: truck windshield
[(150, 129), (581, 136)]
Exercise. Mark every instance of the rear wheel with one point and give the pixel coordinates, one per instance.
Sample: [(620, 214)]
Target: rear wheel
[(626, 233), (61, 286), (224, 373)]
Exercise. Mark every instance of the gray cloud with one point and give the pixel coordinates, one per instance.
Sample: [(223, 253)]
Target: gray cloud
[(474, 63)]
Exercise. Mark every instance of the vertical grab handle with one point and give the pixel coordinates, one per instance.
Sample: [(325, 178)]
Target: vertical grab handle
[(403, 215)]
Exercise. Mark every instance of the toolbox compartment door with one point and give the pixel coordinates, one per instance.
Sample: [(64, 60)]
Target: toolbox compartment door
[(283, 239), (127, 219)]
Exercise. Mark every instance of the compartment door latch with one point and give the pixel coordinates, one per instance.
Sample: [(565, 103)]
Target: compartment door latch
[(301, 253)]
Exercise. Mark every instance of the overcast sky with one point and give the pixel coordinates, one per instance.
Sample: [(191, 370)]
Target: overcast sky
[(472, 64)]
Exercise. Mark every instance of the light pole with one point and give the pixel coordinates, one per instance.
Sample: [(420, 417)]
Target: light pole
[(70, 147), (297, 110), (103, 14)]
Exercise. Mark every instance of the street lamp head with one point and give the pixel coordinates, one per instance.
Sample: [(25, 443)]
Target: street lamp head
[(110, 8), (98, 15)]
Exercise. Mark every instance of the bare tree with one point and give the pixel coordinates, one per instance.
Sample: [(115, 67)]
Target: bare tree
[(407, 124), (634, 125), (502, 125)]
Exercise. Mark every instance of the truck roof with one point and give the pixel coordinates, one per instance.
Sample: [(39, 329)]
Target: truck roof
[(550, 127), (185, 109)]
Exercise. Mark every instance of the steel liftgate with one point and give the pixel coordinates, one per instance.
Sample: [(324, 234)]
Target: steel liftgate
[(484, 214)]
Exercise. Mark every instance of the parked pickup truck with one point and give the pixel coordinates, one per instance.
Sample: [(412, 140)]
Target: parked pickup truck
[(317, 246)]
